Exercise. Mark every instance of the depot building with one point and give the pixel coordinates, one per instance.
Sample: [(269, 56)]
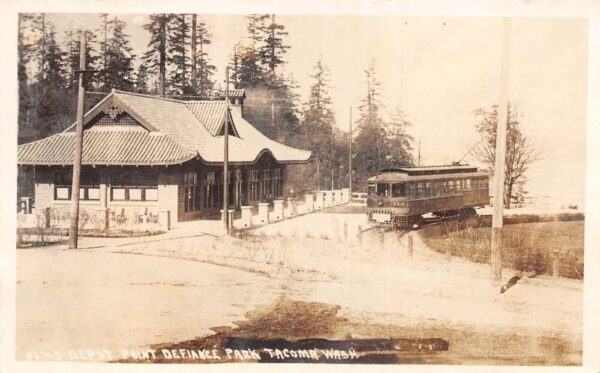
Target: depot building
[(143, 154)]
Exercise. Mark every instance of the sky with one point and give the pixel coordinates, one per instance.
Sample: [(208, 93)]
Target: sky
[(437, 70)]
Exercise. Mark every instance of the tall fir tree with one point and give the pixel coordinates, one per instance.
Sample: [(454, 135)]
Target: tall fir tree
[(204, 69), (371, 146), (317, 126), (141, 80), (119, 72), (104, 32), (250, 72), (53, 69), (272, 49), (72, 48), (157, 54), (234, 66), (399, 140), (178, 55)]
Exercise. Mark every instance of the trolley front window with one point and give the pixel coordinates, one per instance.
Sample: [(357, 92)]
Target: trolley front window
[(398, 190), (383, 190)]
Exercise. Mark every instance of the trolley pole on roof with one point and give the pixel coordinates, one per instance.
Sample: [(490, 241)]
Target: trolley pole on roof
[(502, 120), (75, 186), (226, 154)]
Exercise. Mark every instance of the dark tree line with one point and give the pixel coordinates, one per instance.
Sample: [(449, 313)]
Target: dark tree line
[(176, 63), (48, 81)]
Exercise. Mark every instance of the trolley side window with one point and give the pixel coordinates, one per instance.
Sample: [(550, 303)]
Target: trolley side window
[(383, 190), (420, 190), (451, 186), (398, 190)]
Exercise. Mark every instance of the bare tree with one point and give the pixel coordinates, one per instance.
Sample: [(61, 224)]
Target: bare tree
[(520, 152)]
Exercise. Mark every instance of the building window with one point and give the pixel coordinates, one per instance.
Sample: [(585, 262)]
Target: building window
[(137, 187), (89, 185), (191, 191), (254, 185), (212, 193), (266, 185), (62, 185), (278, 182)]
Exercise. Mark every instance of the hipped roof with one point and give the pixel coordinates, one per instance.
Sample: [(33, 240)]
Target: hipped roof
[(171, 132)]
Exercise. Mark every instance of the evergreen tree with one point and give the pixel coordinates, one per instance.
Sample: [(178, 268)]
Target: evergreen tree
[(248, 69), (234, 66), (371, 141), (104, 31), (178, 57), (317, 126), (157, 54), (119, 59), (205, 70), (46, 106), (272, 49), (141, 82), (26, 52), (399, 140), (72, 48), (39, 28), (25, 47)]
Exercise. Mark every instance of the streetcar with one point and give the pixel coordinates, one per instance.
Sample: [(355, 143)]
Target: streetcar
[(400, 196)]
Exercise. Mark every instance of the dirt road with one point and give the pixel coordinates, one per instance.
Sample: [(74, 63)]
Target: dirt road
[(103, 298), (96, 300)]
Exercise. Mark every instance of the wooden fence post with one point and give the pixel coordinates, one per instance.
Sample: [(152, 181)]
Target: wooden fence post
[(555, 263)]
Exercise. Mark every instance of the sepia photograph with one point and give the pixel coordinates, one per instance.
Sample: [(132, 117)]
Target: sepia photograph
[(276, 187)]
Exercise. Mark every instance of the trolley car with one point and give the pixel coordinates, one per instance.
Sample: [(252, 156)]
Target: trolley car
[(399, 196)]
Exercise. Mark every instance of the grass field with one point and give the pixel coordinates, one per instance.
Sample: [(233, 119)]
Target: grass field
[(527, 247)]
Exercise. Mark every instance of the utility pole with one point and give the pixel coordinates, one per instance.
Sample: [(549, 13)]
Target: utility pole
[(331, 155), (497, 219), (74, 230), (318, 173), (226, 154), (350, 158), (419, 154)]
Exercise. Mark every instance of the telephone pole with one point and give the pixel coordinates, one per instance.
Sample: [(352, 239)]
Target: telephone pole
[(497, 218), (350, 158), (74, 230), (226, 154)]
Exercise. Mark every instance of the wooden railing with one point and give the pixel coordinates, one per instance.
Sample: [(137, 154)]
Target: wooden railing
[(359, 198)]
